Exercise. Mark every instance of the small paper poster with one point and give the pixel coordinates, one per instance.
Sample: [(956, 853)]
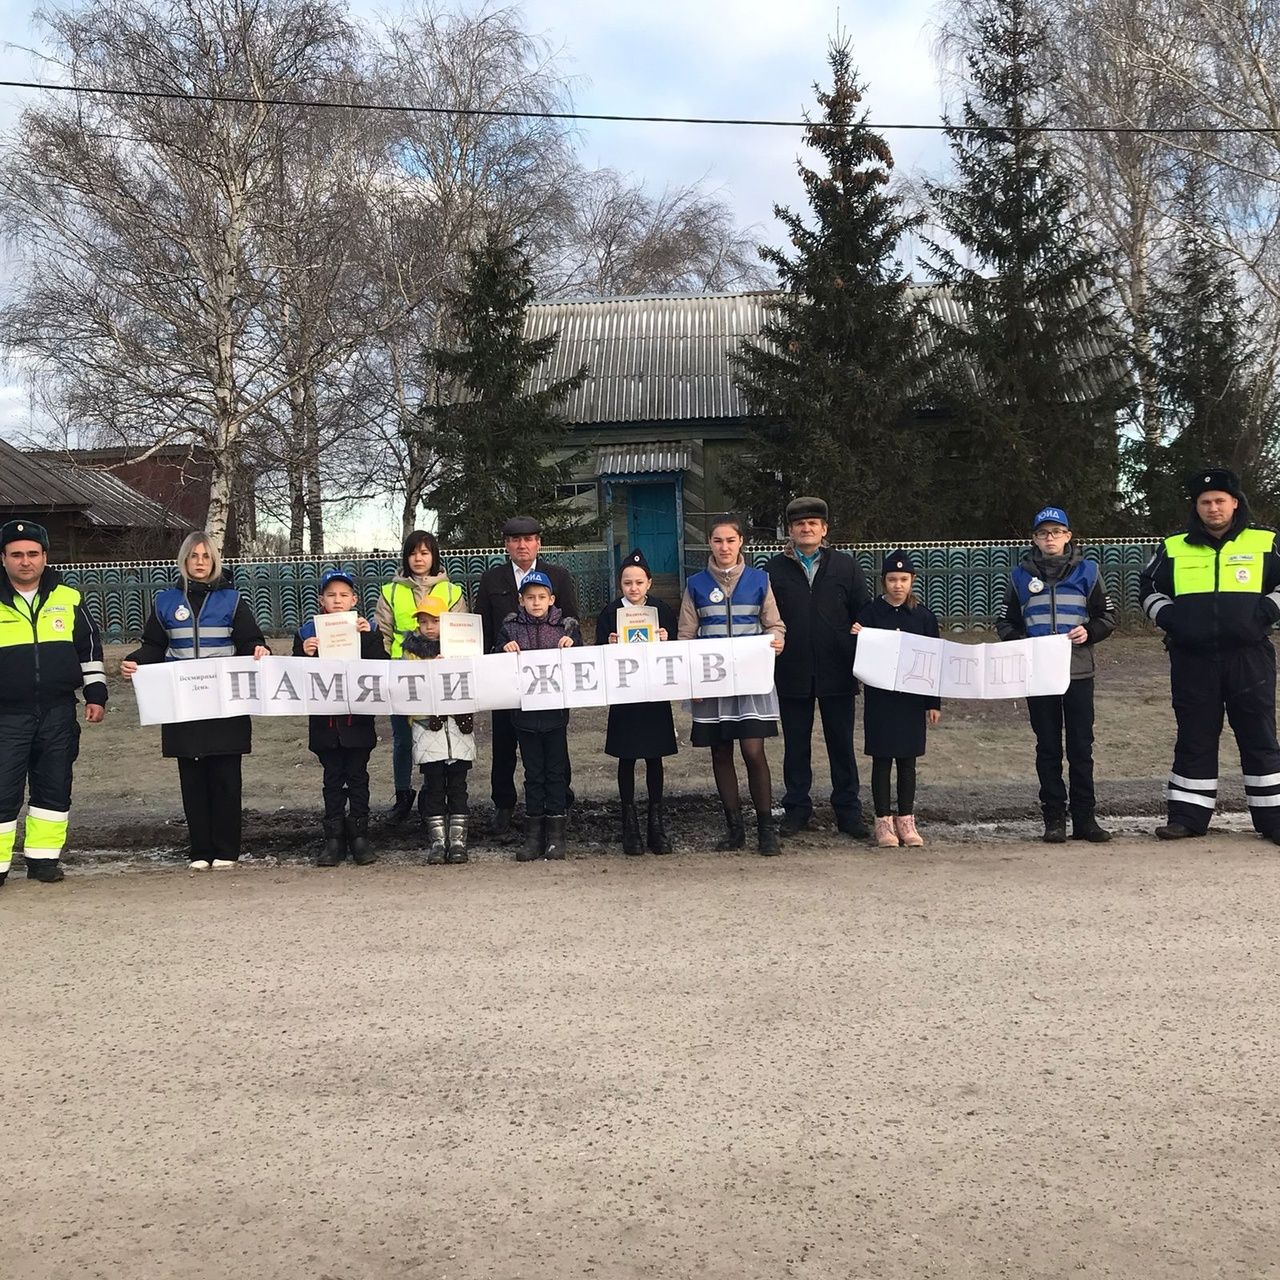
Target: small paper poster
[(637, 624), (461, 635), (337, 634)]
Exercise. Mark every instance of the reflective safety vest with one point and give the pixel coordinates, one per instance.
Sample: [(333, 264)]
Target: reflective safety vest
[(1054, 608), (403, 603), (37, 647), (723, 615), (207, 633), (1235, 566)]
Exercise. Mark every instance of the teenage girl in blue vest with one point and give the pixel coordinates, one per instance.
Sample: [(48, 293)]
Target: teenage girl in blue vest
[(204, 617), (893, 724), (1056, 591), (732, 598)]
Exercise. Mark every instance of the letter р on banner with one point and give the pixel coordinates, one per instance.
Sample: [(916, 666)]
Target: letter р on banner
[(626, 674), (582, 674)]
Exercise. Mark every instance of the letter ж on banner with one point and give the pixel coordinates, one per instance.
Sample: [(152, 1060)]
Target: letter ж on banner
[(1050, 666), (369, 688), (626, 675), (668, 668), (541, 681), (920, 665), (497, 675), (711, 669), (582, 675), (283, 682), (412, 688), (875, 661)]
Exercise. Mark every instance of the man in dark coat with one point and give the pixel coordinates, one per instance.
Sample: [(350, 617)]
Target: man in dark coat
[(497, 597), (1214, 590), (820, 592)]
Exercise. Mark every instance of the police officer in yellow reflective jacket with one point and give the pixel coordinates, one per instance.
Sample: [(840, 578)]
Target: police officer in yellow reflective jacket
[(1215, 593), (49, 648)]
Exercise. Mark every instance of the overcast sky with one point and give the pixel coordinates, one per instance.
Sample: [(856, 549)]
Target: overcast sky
[(741, 58)]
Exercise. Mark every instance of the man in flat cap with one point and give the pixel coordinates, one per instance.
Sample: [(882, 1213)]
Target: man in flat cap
[(819, 592), (497, 595), (1214, 590), (49, 648)]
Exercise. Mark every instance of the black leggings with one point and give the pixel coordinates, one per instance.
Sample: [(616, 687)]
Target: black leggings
[(653, 777), (758, 779), (880, 768)]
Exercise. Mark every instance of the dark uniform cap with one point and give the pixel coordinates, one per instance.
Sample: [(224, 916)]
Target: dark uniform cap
[(636, 560), (1222, 479), (806, 509), (24, 531), (898, 562), (521, 527)]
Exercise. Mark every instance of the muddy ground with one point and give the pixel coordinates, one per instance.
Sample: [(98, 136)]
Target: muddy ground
[(979, 769), (977, 1060)]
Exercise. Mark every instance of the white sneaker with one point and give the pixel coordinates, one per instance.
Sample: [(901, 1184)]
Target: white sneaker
[(220, 864), (197, 864)]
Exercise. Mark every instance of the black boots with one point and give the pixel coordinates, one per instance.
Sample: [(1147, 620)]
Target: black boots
[(735, 833), (1055, 827), (1084, 826), (436, 839), (46, 870), (631, 844), (500, 823), (767, 835), (456, 843), (335, 843), (554, 849), (1176, 831), (534, 835), (358, 842), (402, 808), (659, 841)]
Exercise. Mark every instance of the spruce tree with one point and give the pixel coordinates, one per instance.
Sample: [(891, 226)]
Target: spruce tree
[(1214, 405), (1030, 360), (502, 448), (831, 380)]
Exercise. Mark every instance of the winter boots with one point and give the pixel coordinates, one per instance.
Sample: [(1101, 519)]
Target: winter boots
[(46, 870), (735, 836), (500, 823), (767, 841), (1055, 827), (886, 836), (456, 844), (659, 841), (554, 848), (1084, 826), (437, 836), (335, 843), (905, 829), (402, 808), (631, 844), (358, 842), (534, 836)]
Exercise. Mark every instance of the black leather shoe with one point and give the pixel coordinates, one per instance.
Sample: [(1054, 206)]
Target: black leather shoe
[(1055, 828), (402, 808), (1084, 826), (631, 842), (793, 823), (854, 827), (335, 844), (46, 870), (659, 841), (1175, 831), (735, 836), (767, 837), (500, 823)]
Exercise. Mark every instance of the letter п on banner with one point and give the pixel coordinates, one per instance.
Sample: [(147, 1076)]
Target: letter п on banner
[(582, 675)]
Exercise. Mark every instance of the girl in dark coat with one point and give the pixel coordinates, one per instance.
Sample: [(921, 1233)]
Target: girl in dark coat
[(642, 730), (203, 616), (894, 723)]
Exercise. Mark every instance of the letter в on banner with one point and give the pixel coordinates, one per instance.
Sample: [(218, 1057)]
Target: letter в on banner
[(1050, 666), (753, 663), (541, 681), (153, 686), (327, 687), (669, 665), (453, 686), (369, 688), (875, 662), (412, 688), (283, 682), (496, 676), (582, 674), (920, 665), (626, 676), (711, 669)]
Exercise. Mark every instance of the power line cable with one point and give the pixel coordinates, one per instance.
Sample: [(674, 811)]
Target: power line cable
[(618, 118)]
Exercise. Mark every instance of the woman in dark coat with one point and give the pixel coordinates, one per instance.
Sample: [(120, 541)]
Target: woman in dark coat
[(894, 723), (203, 616), (642, 730)]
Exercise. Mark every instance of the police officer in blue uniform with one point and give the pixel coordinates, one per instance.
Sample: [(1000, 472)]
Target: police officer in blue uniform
[(1056, 591), (1214, 590)]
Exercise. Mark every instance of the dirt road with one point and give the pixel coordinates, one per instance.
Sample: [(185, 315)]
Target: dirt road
[(975, 1060)]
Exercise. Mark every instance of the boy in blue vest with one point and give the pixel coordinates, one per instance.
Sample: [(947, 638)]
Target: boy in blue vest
[(1056, 591)]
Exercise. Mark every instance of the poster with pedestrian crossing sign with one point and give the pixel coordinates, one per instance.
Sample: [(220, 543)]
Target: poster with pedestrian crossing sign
[(637, 624)]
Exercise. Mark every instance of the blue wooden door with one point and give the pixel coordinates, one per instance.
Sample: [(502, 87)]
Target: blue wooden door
[(651, 525)]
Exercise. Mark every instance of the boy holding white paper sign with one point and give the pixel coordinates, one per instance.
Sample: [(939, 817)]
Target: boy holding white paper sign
[(342, 743)]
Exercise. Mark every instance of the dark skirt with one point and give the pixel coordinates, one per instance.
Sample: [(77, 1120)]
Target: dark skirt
[(893, 724), (640, 731), (711, 733)]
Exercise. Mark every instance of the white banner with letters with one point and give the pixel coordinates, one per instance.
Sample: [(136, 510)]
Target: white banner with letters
[(586, 676), (944, 669)]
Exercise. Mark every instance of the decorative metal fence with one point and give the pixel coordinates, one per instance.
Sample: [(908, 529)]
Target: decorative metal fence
[(962, 583)]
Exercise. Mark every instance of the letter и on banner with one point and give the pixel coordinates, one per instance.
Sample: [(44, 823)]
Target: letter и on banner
[(453, 686)]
